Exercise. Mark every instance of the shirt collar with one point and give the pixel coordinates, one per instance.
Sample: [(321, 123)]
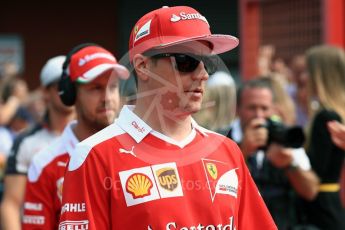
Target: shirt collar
[(137, 128), (132, 124), (69, 138)]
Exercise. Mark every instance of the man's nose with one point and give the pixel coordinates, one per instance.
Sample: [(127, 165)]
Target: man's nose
[(259, 113), (200, 72)]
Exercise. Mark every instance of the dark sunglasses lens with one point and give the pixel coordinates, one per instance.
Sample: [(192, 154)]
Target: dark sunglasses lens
[(210, 65), (186, 63)]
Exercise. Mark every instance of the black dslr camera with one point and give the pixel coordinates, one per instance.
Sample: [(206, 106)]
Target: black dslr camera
[(290, 137)]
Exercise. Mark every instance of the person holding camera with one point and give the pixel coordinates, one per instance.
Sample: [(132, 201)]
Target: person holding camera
[(276, 169)]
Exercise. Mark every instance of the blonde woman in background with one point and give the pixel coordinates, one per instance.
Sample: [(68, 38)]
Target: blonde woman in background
[(219, 104), (283, 103), (326, 69)]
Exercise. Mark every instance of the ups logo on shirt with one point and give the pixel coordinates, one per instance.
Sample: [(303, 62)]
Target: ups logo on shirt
[(167, 178)]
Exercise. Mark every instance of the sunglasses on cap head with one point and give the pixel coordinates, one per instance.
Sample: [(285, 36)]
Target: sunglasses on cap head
[(187, 63)]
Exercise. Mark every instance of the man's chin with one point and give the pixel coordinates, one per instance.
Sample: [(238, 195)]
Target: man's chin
[(101, 124), (106, 120), (188, 111), (194, 109)]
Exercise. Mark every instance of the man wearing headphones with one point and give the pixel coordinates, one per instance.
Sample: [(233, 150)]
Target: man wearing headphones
[(90, 82)]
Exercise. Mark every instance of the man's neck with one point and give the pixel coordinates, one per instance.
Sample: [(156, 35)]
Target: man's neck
[(83, 131), (176, 127), (58, 121)]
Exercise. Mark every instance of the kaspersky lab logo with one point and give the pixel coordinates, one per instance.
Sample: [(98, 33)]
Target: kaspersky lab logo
[(176, 226)]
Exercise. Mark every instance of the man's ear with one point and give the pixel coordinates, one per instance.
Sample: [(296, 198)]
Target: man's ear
[(140, 64)]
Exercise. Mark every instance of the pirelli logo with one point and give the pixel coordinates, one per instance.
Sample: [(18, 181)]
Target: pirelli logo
[(149, 183), (33, 219), (167, 178), (70, 224)]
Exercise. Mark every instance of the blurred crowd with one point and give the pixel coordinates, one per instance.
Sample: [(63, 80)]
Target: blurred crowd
[(289, 124), (19, 109)]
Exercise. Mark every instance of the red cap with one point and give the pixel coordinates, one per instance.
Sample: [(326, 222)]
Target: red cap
[(91, 61), (170, 26)]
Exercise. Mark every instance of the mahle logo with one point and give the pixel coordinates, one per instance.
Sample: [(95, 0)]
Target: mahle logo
[(167, 178)]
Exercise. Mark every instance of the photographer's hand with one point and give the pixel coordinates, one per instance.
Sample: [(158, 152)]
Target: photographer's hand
[(279, 156), (20, 91), (254, 136), (301, 177)]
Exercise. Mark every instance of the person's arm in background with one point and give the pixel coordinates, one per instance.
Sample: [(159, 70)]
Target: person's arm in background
[(14, 186), (298, 170), (342, 185), (18, 97), (337, 131), (8, 109)]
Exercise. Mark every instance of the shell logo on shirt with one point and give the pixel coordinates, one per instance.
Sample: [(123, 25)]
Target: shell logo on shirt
[(139, 185)]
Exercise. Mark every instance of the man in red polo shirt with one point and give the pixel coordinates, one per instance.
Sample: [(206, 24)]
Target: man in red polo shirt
[(90, 82), (155, 168)]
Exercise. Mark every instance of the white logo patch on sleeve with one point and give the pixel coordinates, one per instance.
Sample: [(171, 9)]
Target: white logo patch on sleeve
[(143, 31)]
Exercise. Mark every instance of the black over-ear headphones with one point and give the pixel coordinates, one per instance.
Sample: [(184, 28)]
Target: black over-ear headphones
[(67, 90)]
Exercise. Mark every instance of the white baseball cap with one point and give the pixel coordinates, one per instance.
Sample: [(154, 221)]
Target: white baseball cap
[(52, 70)]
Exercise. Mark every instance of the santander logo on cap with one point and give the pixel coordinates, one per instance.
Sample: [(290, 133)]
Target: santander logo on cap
[(87, 58), (184, 16)]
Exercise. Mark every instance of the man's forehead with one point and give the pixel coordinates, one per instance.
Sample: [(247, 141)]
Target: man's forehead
[(258, 90), (193, 47), (257, 93)]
